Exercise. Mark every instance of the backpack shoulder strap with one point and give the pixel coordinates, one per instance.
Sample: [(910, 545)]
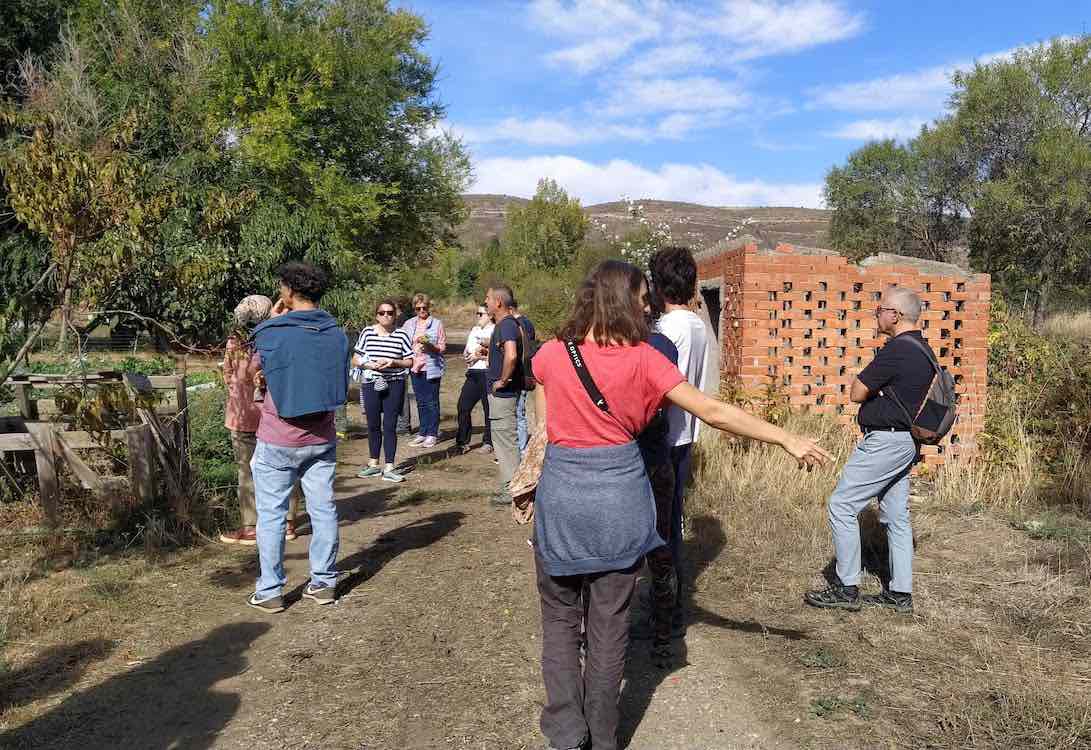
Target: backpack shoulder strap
[(927, 353), (585, 377)]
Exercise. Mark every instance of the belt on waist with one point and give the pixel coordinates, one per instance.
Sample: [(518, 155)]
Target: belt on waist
[(866, 430)]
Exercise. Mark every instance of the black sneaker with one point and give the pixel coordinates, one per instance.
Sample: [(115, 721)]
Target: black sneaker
[(271, 606), (662, 653), (835, 597), (900, 603)]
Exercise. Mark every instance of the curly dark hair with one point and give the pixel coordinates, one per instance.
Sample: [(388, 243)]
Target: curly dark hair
[(674, 275), (609, 306), (306, 280)]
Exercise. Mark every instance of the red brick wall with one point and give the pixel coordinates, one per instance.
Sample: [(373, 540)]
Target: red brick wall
[(806, 321)]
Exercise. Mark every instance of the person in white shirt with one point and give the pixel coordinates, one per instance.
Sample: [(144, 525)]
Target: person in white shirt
[(674, 279), (475, 388)]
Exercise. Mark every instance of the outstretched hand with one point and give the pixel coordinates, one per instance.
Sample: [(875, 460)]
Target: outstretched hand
[(807, 452)]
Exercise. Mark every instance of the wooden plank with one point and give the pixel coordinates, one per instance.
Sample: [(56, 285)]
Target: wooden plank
[(181, 430), (49, 409), (84, 473), (141, 462), (22, 441), (166, 454), (28, 407), (16, 441), (45, 458)]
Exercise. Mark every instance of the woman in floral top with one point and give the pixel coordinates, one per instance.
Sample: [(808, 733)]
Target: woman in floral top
[(429, 342)]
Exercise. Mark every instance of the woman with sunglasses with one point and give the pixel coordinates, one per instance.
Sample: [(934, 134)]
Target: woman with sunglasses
[(475, 388), (429, 342), (382, 358)]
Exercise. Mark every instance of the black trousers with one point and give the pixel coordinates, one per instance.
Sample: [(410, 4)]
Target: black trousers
[(382, 410), (661, 559), (582, 704), (474, 389)]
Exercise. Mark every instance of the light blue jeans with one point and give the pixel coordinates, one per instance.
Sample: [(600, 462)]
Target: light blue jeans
[(879, 467), (521, 421), (276, 469)]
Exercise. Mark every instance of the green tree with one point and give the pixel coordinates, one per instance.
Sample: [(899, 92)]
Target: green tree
[(549, 230), (1003, 171), (279, 130)]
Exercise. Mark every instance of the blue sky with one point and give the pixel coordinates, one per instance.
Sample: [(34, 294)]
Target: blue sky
[(725, 102)]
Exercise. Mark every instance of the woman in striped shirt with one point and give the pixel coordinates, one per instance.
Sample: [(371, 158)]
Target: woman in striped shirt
[(382, 358)]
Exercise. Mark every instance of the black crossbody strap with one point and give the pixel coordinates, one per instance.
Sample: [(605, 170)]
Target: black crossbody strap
[(935, 366), (585, 377)]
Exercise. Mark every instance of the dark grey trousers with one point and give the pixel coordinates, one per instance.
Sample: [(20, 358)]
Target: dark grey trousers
[(584, 703)]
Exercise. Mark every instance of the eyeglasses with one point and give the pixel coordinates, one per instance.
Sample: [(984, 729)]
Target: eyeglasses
[(879, 310), (385, 312), (421, 307)]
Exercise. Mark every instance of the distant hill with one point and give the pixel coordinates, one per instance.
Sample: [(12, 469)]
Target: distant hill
[(689, 221)]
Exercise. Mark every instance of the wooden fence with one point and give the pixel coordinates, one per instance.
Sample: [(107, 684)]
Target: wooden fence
[(157, 448)]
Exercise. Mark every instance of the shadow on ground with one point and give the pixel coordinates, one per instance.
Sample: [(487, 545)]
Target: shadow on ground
[(642, 675), (369, 560), (52, 671), (168, 702)]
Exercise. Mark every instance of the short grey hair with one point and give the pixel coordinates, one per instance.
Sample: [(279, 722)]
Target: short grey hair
[(504, 295), (905, 301)]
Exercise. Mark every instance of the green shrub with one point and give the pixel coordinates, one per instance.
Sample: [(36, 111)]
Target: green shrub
[(215, 474)]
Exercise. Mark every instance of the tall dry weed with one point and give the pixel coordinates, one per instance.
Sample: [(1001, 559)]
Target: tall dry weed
[(1070, 326)]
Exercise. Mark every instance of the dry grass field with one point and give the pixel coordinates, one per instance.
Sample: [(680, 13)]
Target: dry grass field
[(998, 652)]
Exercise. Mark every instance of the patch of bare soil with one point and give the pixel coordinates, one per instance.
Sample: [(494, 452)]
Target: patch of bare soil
[(433, 644)]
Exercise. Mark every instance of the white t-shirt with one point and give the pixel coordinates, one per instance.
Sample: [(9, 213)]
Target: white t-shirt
[(479, 336), (687, 332)]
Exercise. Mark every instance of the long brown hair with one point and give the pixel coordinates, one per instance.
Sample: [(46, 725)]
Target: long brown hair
[(608, 306)]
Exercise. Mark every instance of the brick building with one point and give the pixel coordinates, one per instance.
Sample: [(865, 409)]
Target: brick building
[(804, 320)]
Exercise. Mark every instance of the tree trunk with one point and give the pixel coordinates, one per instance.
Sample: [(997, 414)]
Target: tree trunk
[(66, 321), (1042, 300)]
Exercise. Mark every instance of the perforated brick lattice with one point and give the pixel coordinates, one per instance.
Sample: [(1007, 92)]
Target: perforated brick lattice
[(805, 320)]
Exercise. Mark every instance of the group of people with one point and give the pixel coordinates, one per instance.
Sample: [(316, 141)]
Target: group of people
[(619, 401)]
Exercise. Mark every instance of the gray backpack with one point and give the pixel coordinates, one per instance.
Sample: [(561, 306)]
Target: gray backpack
[(941, 401)]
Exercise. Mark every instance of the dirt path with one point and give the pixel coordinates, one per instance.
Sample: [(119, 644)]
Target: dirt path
[(434, 643)]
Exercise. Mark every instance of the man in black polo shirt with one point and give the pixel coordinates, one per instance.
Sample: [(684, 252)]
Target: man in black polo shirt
[(889, 390), (505, 382)]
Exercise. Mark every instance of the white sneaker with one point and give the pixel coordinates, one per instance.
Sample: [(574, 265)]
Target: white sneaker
[(429, 442), (389, 475), (417, 441)]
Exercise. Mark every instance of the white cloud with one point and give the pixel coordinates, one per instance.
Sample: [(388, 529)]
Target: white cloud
[(761, 28), (549, 131), (926, 89), (693, 94), (733, 30), (671, 58), (600, 183), (585, 58), (899, 128)]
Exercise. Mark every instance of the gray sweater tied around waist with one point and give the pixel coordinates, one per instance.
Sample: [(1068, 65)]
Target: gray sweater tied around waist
[(594, 510)]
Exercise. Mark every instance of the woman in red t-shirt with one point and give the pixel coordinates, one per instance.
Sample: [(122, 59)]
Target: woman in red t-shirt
[(594, 516)]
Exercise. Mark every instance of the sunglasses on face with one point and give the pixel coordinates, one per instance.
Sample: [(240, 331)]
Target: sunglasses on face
[(385, 312), (422, 307)]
